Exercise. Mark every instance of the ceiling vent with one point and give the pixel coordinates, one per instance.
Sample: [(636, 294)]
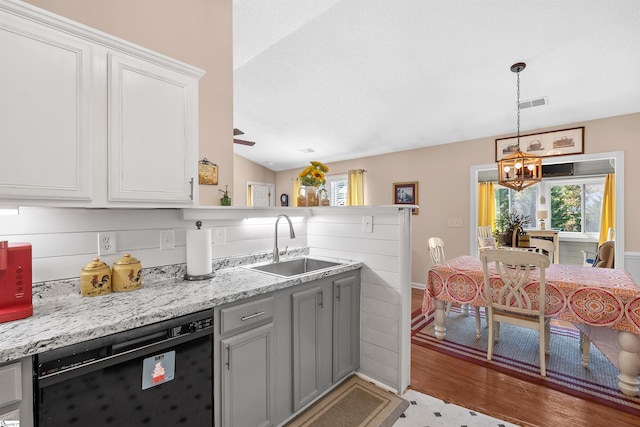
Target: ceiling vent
[(538, 102)]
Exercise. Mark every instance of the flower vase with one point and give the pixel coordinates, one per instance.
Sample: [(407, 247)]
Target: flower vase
[(308, 196)]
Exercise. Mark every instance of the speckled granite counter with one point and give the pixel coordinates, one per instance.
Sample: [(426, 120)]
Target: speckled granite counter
[(62, 317)]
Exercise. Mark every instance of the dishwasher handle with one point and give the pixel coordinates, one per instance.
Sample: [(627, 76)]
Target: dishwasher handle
[(138, 342)]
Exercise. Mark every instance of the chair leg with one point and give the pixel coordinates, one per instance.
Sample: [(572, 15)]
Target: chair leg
[(490, 339), (465, 309), (447, 310), (543, 348), (585, 348), (478, 328), (547, 336)]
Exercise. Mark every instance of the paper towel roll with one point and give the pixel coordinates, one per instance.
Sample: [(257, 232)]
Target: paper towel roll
[(199, 252)]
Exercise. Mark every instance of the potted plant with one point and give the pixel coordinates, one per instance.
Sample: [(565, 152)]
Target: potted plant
[(509, 226), (225, 200)]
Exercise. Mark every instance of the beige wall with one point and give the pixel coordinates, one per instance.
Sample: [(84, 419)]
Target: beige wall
[(197, 32), (443, 175), (247, 171)]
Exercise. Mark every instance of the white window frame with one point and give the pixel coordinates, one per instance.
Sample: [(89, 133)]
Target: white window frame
[(617, 159), (342, 177), (545, 189)]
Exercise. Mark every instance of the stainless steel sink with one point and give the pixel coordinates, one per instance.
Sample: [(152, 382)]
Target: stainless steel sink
[(294, 267)]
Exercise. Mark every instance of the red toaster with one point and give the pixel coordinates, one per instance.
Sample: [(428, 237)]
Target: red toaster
[(15, 281)]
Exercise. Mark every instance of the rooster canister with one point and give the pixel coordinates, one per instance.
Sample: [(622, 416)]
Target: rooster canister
[(95, 279), (127, 274)]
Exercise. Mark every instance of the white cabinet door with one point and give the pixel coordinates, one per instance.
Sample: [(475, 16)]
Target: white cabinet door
[(45, 112), (152, 132)]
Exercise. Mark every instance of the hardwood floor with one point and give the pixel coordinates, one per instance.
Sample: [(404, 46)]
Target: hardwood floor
[(501, 396)]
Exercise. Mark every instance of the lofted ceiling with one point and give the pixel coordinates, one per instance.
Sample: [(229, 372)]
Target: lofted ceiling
[(345, 79)]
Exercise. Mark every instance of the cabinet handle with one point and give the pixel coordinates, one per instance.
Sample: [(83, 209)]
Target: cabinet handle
[(251, 316), (338, 292), (191, 183), (321, 300), (228, 357)]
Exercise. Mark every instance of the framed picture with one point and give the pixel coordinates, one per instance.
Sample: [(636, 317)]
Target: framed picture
[(207, 172), (406, 193), (545, 144)]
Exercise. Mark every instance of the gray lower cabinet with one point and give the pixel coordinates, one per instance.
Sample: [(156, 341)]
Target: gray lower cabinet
[(16, 391), (311, 343), (278, 352), (346, 326), (244, 363), (247, 378), (326, 336)]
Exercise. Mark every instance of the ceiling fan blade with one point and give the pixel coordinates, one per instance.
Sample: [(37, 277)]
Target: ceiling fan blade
[(243, 142), (237, 132)]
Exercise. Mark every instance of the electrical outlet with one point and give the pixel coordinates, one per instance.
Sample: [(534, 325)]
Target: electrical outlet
[(219, 235), (107, 243), (167, 240)]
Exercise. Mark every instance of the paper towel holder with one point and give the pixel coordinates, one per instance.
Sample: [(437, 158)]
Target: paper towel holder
[(194, 278)]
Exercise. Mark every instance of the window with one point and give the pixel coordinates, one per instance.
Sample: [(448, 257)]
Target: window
[(524, 202), (336, 185), (576, 204)]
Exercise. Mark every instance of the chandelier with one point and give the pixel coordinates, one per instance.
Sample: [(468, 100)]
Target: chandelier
[(519, 170)]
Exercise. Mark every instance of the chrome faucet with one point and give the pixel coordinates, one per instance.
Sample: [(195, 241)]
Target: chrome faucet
[(276, 252)]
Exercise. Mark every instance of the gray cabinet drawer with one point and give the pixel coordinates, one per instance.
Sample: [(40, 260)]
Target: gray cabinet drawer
[(246, 314)]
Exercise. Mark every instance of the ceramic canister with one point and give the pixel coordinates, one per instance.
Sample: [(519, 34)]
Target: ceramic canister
[(95, 279), (127, 274)]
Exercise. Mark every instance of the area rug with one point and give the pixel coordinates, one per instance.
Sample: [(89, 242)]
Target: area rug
[(516, 354), (353, 403)]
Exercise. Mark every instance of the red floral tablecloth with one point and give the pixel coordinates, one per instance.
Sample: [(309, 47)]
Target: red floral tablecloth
[(594, 296)]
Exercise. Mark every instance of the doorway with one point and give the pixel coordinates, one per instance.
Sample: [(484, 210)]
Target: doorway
[(261, 194)]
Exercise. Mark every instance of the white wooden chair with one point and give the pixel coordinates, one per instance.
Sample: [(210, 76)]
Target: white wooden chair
[(436, 250), (542, 246), (485, 238), (507, 300)]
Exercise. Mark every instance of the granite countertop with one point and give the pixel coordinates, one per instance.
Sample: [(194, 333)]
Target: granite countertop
[(63, 317)]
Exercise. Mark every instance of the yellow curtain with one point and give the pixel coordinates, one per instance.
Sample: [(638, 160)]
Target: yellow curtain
[(607, 215), (355, 187), (294, 197), (486, 205)]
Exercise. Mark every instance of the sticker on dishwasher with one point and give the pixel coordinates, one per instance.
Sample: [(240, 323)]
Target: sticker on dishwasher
[(158, 369)]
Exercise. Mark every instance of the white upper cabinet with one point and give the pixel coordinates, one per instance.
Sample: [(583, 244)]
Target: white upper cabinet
[(45, 112), (152, 123), (89, 120)]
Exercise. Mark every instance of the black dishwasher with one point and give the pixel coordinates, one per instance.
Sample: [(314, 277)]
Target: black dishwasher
[(156, 375)]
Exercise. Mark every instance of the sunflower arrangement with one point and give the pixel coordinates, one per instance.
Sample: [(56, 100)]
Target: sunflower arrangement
[(314, 174)]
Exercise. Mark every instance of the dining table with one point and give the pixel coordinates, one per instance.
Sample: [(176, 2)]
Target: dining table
[(600, 297)]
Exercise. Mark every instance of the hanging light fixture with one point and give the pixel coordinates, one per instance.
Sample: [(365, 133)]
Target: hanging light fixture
[(519, 170)]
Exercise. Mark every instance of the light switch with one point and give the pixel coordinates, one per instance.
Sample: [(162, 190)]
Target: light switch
[(367, 224), (455, 222)]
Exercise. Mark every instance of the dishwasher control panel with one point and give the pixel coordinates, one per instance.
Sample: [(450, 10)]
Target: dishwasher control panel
[(88, 352)]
